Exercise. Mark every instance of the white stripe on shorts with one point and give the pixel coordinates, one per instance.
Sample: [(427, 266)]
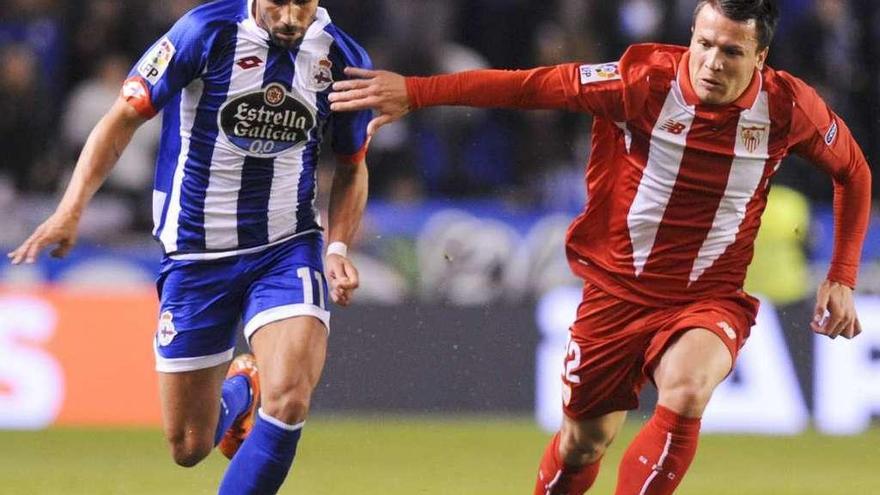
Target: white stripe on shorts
[(279, 313), (179, 365)]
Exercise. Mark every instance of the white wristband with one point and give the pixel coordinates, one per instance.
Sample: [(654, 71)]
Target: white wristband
[(337, 248)]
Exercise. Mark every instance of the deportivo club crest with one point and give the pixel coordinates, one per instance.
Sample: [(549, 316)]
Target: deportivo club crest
[(166, 332), (752, 136), (322, 75)]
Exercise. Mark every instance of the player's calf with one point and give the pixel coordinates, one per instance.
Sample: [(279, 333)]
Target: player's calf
[(190, 408), (578, 449), (556, 477), (659, 456), (571, 461), (585, 441)]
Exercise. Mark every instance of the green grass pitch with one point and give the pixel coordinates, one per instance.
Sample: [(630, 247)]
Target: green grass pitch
[(425, 456)]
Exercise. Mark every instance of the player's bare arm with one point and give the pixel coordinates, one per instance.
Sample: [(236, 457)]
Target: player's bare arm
[(102, 149), (382, 91), (348, 197)]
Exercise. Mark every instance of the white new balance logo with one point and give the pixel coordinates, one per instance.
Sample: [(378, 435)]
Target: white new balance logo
[(728, 330)]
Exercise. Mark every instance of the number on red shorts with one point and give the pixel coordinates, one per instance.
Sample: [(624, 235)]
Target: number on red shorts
[(572, 362)]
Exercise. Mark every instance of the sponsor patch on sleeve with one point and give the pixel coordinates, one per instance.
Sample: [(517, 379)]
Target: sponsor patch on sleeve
[(155, 63), (599, 73), (831, 135)]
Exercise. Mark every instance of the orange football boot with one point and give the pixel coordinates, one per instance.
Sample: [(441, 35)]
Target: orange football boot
[(244, 365)]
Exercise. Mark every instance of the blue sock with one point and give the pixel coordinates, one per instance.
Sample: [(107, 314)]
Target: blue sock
[(261, 464), (235, 398)]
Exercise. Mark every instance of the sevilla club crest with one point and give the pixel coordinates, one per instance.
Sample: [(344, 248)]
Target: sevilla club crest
[(752, 137)]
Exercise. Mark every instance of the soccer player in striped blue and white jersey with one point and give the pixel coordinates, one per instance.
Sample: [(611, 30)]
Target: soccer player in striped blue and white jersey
[(243, 85)]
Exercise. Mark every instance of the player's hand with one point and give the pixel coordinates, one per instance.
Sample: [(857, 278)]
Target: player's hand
[(835, 311), (59, 229), (382, 91), (343, 278)]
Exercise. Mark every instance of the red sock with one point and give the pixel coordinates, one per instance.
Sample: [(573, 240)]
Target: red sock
[(659, 456), (556, 478)]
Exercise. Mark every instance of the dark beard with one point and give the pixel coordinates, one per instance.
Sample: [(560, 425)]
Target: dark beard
[(281, 43)]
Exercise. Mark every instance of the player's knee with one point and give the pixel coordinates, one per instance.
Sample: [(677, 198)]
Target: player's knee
[(189, 450), (687, 395), (187, 457), (290, 406)]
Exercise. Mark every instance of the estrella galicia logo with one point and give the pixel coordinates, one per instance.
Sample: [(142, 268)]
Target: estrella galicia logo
[(266, 122)]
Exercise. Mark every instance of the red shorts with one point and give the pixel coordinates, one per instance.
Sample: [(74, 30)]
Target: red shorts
[(615, 345)]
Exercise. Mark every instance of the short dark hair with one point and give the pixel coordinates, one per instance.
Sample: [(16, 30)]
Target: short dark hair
[(764, 12)]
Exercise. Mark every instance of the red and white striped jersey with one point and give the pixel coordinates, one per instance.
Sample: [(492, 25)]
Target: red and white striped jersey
[(676, 188)]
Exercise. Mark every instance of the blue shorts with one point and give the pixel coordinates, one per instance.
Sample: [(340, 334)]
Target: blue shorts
[(202, 303)]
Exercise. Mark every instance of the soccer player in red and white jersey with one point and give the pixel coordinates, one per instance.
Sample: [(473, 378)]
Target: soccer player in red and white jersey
[(685, 142)]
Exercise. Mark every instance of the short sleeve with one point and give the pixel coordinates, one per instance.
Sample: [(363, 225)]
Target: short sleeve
[(169, 65), (349, 129)]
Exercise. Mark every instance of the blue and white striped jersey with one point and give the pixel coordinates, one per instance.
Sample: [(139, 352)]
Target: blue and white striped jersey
[(242, 127)]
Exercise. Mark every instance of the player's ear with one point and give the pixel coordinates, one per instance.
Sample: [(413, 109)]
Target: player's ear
[(762, 58)]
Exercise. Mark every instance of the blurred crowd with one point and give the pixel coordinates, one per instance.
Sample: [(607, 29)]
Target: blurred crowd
[(62, 63)]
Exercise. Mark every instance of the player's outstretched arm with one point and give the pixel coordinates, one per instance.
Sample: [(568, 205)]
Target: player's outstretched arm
[(104, 146), (382, 91), (545, 88), (835, 311), (348, 197)]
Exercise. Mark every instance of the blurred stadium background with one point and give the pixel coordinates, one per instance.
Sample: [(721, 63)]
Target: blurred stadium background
[(442, 378)]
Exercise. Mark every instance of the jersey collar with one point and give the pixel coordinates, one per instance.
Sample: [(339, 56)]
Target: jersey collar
[(744, 102)]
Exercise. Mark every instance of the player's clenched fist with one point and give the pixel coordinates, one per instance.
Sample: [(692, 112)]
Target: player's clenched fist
[(835, 311), (342, 277), (60, 229)]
